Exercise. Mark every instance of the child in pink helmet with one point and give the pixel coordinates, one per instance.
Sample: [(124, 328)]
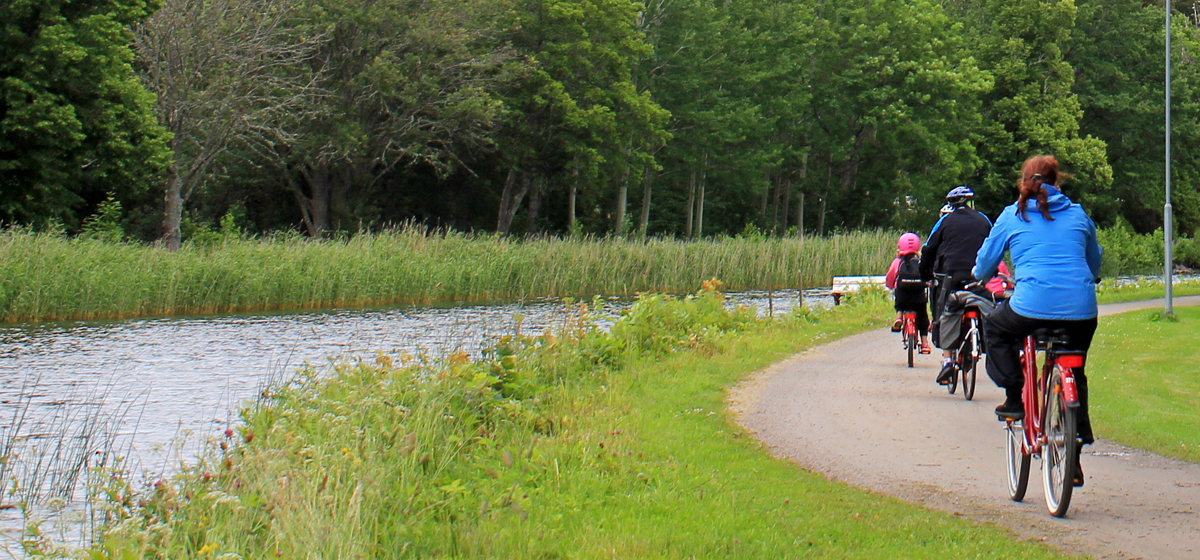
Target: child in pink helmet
[(904, 278)]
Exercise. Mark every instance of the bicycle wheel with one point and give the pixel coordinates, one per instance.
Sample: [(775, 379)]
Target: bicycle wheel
[(1018, 461), (1059, 459), (912, 347), (953, 385), (968, 363)]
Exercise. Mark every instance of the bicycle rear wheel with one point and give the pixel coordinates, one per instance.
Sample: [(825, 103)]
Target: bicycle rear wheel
[(1018, 461), (912, 347), (1059, 459), (967, 360)]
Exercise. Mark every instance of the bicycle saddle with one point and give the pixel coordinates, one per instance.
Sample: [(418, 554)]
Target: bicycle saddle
[(1046, 334)]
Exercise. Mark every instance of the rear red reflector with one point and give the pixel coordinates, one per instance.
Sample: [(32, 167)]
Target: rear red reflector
[(1070, 361)]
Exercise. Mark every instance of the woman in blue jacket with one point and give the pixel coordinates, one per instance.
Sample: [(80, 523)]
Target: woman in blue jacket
[(1057, 259)]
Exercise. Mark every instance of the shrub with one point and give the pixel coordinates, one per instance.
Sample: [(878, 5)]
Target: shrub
[(1127, 252), (1187, 252)]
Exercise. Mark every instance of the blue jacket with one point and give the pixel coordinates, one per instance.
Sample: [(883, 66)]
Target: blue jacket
[(1057, 262)]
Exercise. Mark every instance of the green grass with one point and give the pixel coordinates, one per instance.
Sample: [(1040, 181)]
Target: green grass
[(50, 277), (1144, 384), (1149, 289), (584, 444)]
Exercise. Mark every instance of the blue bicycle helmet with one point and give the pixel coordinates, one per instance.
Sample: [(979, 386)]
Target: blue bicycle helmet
[(960, 196)]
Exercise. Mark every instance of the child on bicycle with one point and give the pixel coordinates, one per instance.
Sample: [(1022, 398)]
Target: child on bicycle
[(904, 278)]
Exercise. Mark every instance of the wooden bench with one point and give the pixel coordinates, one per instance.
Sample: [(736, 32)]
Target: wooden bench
[(850, 284)]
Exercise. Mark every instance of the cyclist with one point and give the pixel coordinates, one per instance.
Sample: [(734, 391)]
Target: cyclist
[(1057, 259), (950, 253), (904, 277)]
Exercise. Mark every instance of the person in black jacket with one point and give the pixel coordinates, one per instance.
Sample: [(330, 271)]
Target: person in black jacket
[(950, 253)]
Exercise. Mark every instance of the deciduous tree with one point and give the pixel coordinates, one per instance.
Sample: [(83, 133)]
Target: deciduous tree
[(75, 124)]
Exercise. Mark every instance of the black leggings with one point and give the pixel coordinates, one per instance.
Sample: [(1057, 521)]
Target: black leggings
[(1006, 330), (919, 309)]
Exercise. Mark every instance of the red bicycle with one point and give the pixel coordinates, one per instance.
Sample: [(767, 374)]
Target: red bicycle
[(1049, 427), (908, 331)]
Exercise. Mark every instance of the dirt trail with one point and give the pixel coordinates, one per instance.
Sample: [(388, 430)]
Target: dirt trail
[(853, 411)]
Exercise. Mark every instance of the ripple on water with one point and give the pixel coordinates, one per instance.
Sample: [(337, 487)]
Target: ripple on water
[(160, 379)]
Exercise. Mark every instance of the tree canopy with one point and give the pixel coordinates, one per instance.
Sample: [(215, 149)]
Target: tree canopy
[(664, 117), (75, 123)]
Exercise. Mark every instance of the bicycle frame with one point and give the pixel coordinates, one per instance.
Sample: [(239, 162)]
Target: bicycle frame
[(1035, 387), (1030, 396), (972, 329), (910, 324)]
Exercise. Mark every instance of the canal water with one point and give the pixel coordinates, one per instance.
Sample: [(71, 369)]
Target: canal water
[(152, 390)]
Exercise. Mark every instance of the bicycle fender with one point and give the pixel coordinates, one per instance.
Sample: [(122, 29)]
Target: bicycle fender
[(1070, 391)]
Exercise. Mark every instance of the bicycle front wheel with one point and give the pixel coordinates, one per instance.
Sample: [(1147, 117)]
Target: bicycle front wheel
[(968, 361), (954, 371), (1059, 454), (1018, 461)]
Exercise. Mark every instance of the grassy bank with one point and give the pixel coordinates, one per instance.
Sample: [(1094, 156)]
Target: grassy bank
[(1152, 288), (49, 277), (1144, 383), (583, 444)]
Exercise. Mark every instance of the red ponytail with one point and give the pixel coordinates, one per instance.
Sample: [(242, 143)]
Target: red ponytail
[(1037, 170)]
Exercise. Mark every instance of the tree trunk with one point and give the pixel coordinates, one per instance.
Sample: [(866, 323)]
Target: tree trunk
[(691, 204), (315, 206), (700, 199), (766, 195), (173, 209), (775, 202), (825, 195), (849, 175), (644, 221), (800, 216), (510, 201), (800, 206), (622, 202), (821, 215), (341, 179), (535, 206), (782, 213), (571, 199)]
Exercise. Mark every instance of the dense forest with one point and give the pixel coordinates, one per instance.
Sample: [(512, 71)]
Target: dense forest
[(673, 117)]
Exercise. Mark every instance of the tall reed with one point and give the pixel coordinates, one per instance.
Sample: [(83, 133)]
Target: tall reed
[(51, 277)]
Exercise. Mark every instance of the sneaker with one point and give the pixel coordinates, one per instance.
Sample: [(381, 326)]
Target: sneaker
[(897, 325), (1078, 481), (947, 374), (925, 349), (1010, 410)]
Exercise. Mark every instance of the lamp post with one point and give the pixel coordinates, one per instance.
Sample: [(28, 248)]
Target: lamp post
[(1168, 262)]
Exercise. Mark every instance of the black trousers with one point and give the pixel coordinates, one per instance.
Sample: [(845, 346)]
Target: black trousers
[(918, 307), (952, 282), (1006, 330)]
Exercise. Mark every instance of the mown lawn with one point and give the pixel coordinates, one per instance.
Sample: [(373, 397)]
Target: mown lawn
[(1144, 378)]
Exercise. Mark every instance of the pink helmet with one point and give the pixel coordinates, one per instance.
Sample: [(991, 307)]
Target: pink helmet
[(909, 243)]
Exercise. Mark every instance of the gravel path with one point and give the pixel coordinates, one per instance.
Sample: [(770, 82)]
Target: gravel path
[(853, 411)]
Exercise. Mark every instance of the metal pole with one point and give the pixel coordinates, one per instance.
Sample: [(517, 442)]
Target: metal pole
[(1168, 261)]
